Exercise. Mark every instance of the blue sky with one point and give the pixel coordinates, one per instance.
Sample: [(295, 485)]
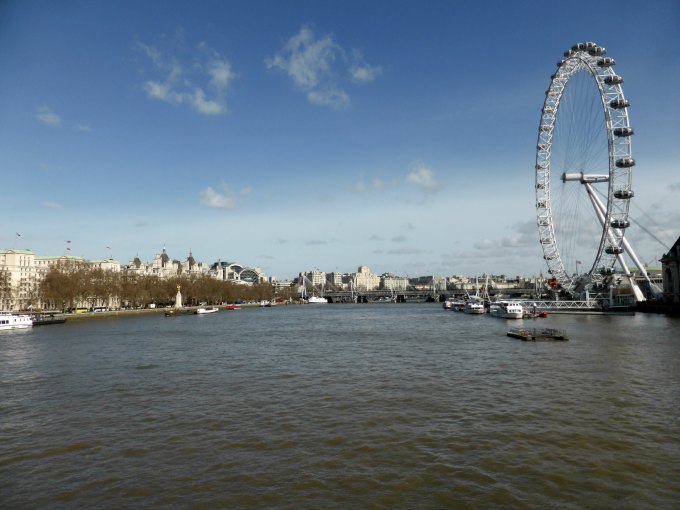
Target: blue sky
[(308, 135)]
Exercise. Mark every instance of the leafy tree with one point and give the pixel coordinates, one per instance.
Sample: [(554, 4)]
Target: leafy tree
[(6, 290)]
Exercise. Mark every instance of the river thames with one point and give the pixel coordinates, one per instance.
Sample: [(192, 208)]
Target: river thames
[(340, 406)]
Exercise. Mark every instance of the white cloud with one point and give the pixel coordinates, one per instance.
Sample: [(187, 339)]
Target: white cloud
[(84, 128), (162, 92), (304, 59), (186, 81), (224, 200), (334, 98), (47, 116), (405, 251), (205, 106), (360, 71), (486, 244), (362, 187), (52, 205), (317, 66), (221, 74), (423, 178)]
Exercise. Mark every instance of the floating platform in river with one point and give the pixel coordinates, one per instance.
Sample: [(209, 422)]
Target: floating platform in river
[(539, 335)]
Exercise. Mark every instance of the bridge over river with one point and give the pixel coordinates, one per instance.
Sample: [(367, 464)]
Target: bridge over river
[(415, 295), (526, 297)]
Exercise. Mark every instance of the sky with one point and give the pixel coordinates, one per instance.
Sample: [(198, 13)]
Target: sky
[(312, 135)]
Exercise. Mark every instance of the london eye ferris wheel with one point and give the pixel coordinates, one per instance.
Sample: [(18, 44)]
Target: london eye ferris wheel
[(584, 168)]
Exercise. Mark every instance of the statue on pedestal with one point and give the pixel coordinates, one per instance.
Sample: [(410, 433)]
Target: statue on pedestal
[(178, 297)]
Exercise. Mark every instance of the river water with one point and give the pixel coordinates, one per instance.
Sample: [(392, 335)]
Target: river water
[(340, 406)]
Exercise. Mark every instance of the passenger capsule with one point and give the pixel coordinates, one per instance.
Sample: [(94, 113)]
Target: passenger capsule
[(540, 185), (625, 163), (548, 257), (591, 45), (546, 127), (613, 80), (606, 271), (540, 205), (624, 131), (624, 194), (548, 109), (597, 51), (574, 48), (619, 103), (614, 250), (606, 62), (581, 46), (545, 240), (569, 53), (620, 223)]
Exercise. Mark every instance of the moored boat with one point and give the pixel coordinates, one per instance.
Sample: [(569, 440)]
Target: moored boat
[(474, 307), (44, 319), (232, 307), (454, 304), (507, 310), (317, 300), (10, 321), (203, 310)]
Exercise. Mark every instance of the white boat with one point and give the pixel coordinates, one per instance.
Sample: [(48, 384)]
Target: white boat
[(453, 304), (474, 307), (204, 310), (9, 321), (317, 300), (507, 310)]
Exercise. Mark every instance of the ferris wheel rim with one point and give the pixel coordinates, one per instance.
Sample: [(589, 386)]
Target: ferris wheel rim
[(587, 57)]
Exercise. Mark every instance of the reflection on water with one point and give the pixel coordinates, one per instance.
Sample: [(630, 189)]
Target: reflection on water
[(343, 405)]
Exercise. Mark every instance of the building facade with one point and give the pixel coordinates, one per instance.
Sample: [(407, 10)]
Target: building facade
[(365, 280), (670, 268), (22, 272)]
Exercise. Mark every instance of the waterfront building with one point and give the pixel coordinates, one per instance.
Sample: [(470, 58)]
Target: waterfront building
[(670, 267), (334, 280), (390, 281), (318, 278), (22, 272), (428, 282), (281, 285), (165, 267), (365, 280), (236, 273)]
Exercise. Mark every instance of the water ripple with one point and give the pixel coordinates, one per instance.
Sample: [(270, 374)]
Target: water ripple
[(340, 406)]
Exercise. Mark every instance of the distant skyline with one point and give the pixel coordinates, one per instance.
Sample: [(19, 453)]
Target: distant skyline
[(308, 135)]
